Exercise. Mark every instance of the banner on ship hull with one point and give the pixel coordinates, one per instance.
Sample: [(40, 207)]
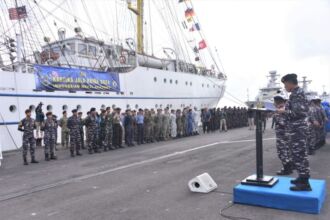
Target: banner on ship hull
[(71, 79)]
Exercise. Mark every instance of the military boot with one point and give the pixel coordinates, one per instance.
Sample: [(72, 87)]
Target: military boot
[(46, 157), (286, 170), (78, 153), (33, 160), (53, 156), (71, 153), (302, 185), (25, 162)]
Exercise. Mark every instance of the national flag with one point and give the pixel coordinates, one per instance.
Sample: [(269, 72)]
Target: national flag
[(195, 27), (17, 13), (201, 45), (189, 13)]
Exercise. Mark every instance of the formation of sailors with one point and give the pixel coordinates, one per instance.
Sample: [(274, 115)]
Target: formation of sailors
[(107, 129)]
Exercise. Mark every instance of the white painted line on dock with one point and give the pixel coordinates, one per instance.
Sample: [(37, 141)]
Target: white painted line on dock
[(84, 177)]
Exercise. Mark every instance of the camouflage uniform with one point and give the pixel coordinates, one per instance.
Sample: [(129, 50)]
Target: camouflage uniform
[(64, 132), (74, 124), (312, 130), (91, 125), (282, 139), (82, 133), (27, 126), (49, 127), (297, 111), (152, 127), (147, 126), (158, 126), (179, 124), (166, 126), (102, 134), (108, 130)]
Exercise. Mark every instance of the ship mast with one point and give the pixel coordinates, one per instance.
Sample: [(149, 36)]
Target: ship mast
[(138, 11)]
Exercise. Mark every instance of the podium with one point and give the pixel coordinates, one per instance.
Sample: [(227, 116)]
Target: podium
[(259, 179)]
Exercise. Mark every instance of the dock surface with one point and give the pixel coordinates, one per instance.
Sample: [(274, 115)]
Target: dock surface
[(146, 182)]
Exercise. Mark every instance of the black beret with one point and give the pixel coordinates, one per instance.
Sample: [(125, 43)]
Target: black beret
[(291, 77), (93, 110), (74, 110)]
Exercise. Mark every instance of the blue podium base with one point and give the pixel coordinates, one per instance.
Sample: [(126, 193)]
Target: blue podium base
[(280, 196)]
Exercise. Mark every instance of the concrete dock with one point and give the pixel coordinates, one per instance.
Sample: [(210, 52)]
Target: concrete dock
[(146, 182)]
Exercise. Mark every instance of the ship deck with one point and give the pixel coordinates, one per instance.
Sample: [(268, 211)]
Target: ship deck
[(146, 182)]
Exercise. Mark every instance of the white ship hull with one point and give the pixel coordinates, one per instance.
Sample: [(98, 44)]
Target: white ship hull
[(139, 90)]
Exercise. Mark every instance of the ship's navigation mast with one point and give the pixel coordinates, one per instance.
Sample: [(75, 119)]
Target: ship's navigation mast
[(305, 83), (273, 77), (138, 11)]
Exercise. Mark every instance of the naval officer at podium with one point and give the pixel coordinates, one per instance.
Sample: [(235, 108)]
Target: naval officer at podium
[(297, 110)]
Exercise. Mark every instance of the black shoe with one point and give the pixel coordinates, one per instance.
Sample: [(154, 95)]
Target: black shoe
[(33, 160), (53, 157), (47, 157), (78, 153), (90, 151), (302, 185), (295, 181)]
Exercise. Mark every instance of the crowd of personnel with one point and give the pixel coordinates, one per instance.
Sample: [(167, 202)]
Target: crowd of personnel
[(107, 129)]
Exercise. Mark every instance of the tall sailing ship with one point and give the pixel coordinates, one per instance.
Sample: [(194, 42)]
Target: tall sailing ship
[(109, 57)]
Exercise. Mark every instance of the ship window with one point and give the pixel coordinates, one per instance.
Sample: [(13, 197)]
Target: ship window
[(202, 85), (49, 107), (156, 105), (12, 108), (186, 83), (176, 81), (127, 106), (70, 48), (207, 85), (56, 50), (78, 107), (65, 107), (155, 79), (164, 80), (92, 50), (171, 81), (82, 49), (191, 83), (32, 107)]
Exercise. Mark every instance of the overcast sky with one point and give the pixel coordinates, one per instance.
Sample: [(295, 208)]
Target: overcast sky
[(255, 36), (252, 36)]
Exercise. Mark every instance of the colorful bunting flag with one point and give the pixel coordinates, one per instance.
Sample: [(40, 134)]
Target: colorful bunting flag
[(17, 13), (201, 45), (195, 27), (190, 19), (189, 13)]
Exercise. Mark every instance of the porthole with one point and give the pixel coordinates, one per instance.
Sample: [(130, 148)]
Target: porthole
[(49, 107), (202, 85), (156, 105), (186, 83), (136, 106), (127, 106), (32, 107), (190, 83), (155, 79), (176, 81), (102, 106), (208, 86), (64, 107), (164, 80), (78, 107), (12, 108), (171, 81)]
